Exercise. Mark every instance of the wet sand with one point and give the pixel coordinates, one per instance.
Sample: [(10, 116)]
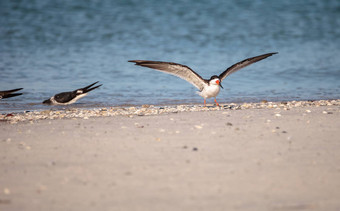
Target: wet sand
[(242, 157)]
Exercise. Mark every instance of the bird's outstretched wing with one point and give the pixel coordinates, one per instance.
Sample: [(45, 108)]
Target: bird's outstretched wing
[(243, 64), (175, 69)]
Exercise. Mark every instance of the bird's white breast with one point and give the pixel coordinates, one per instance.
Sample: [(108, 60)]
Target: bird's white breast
[(76, 98), (210, 91)]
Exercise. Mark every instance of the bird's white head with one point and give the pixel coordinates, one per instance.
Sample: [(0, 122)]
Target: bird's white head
[(215, 81)]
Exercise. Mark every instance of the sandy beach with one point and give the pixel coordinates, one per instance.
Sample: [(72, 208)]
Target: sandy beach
[(260, 156)]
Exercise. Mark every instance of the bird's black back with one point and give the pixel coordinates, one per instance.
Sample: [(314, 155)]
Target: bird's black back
[(65, 97)]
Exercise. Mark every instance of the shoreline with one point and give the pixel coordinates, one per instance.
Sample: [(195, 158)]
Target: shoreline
[(261, 156), (146, 110)]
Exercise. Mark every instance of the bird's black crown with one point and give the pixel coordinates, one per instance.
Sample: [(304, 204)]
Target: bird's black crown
[(213, 77)]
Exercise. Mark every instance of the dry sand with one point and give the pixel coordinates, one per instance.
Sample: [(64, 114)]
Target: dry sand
[(253, 159)]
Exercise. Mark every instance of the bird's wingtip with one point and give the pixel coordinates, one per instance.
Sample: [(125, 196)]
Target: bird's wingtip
[(90, 89), (137, 62), (13, 90), (270, 54)]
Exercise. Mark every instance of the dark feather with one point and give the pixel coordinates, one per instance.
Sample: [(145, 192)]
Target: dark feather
[(88, 90), (65, 97), (243, 64), (175, 69), (86, 87), (9, 93)]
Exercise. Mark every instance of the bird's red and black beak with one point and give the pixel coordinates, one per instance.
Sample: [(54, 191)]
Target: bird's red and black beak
[(219, 83)]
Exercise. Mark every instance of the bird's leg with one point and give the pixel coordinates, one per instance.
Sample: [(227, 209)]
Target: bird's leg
[(216, 103), (204, 103)]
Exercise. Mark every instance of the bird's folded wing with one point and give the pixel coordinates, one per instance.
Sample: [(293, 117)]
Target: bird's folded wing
[(64, 97), (175, 69), (243, 64)]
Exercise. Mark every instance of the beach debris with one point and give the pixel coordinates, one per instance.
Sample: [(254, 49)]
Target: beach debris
[(7, 191), (138, 125), (132, 108), (327, 112), (128, 173), (146, 110), (195, 149), (198, 127), (229, 124), (41, 188), (5, 201)]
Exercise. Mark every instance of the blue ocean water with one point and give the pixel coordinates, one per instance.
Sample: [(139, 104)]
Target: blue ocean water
[(52, 46)]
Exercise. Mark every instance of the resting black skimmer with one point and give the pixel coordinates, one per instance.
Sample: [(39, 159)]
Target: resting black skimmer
[(66, 98), (9, 93), (208, 88)]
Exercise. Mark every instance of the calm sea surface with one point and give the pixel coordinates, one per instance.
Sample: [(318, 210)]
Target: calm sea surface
[(49, 46)]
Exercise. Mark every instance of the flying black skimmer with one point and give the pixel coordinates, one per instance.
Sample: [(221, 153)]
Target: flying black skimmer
[(208, 88), (66, 98), (9, 93)]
